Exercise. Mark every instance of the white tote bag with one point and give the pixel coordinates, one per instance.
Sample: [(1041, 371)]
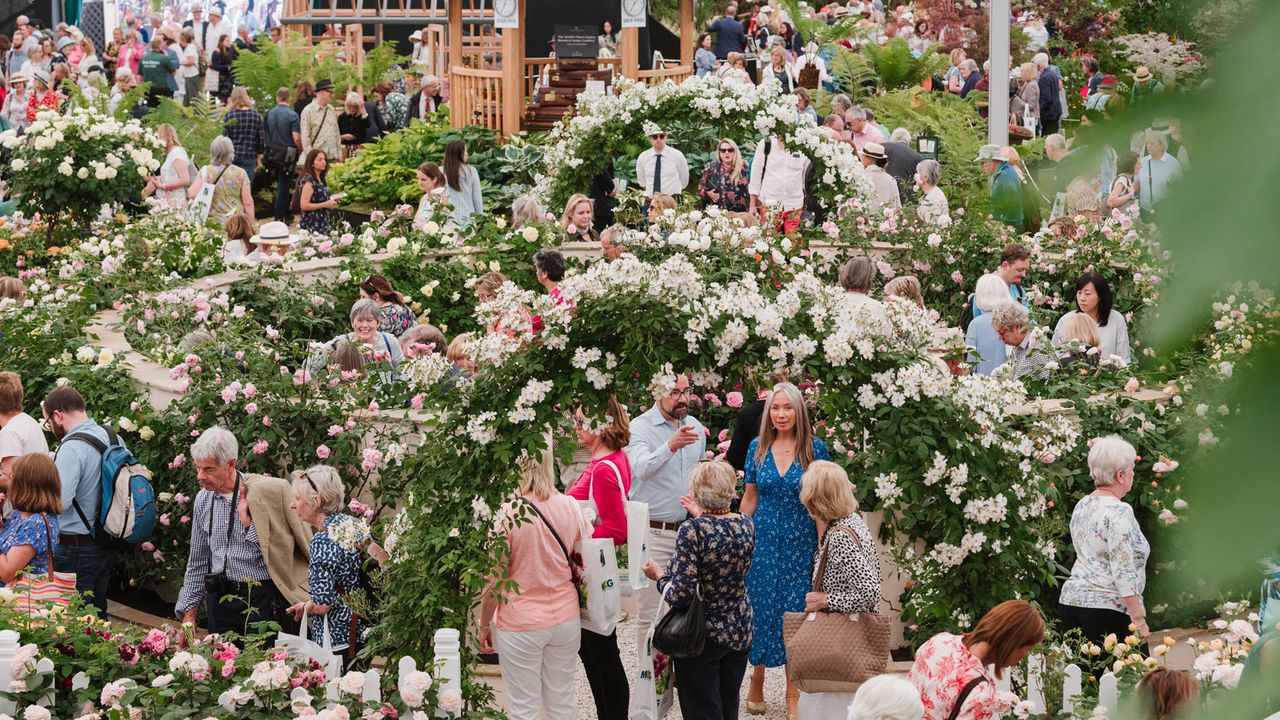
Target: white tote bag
[(199, 207), (600, 596), (654, 695), (301, 647), (632, 555)]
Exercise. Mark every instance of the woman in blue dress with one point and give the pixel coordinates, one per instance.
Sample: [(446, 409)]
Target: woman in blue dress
[(781, 572)]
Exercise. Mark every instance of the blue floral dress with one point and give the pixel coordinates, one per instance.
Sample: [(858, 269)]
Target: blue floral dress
[(333, 567), (781, 567), (30, 531), (316, 221)]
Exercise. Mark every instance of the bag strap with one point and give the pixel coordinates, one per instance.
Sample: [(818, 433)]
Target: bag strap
[(554, 534), (101, 447), (826, 547), (616, 473), (964, 695), (48, 542)]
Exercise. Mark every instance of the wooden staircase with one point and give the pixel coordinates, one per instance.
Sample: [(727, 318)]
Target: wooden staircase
[(555, 98)]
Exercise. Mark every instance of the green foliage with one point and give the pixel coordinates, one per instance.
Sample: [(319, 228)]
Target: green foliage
[(197, 124), (277, 65), (897, 67), (379, 62), (851, 71), (384, 174)]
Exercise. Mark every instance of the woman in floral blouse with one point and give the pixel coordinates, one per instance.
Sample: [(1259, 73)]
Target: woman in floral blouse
[(713, 555), (725, 179), (318, 498), (1104, 593), (951, 670), (394, 316)]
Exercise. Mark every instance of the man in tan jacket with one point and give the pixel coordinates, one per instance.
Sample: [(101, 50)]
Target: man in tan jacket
[(249, 552)]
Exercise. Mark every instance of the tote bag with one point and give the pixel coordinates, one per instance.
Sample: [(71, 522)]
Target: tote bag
[(600, 597), (301, 647), (43, 591), (199, 207), (653, 696), (834, 652), (632, 555)]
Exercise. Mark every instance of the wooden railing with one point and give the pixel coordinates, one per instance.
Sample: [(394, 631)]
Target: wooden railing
[(676, 74), (475, 98)]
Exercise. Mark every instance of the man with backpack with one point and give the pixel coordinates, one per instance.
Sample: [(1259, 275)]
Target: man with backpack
[(777, 185), (80, 469)]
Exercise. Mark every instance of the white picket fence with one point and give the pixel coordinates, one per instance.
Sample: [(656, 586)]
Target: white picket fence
[(447, 673), (1072, 687)]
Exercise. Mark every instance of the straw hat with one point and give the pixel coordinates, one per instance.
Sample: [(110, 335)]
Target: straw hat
[(274, 238)]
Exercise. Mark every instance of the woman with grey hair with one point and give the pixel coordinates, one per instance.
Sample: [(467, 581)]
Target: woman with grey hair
[(713, 554), (887, 697), (780, 577), (365, 317), (336, 558), (856, 277), (1104, 593), (933, 206), (231, 186), (525, 210), (988, 349)]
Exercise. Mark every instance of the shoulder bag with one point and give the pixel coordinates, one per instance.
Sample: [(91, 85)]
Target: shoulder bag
[(834, 652), (53, 589), (202, 203), (575, 569), (964, 695), (682, 632)]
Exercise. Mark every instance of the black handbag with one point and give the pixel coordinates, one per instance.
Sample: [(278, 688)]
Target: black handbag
[(682, 632)]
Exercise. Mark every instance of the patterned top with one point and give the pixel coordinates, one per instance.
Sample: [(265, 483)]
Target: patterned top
[(852, 577), (396, 111), (316, 221), (332, 567), (942, 668), (395, 318), (713, 553), (734, 196), (228, 183), (1111, 555), (29, 530), (247, 132), (319, 129)]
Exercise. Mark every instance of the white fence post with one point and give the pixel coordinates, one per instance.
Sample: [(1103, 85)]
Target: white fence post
[(8, 649), (1035, 683), (1072, 688), (372, 687), (1108, 694), (448, 651)]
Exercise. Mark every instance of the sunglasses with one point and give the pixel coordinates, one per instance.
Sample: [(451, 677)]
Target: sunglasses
[(312, 483), (726, 150), (659, 136)]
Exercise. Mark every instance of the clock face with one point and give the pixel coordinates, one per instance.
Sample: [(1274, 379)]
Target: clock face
[(634, 8), (505, 8)]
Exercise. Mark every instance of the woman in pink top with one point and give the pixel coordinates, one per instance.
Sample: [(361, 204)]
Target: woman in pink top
[(951, 671), (537, 626), (131, 53), (605, 482)]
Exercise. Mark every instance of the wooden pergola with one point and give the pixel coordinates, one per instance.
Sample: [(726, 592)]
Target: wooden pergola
[(489, 77)]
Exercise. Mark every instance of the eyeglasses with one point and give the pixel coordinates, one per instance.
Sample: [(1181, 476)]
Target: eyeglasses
[(687, 392), (659, 136), (726, 150)]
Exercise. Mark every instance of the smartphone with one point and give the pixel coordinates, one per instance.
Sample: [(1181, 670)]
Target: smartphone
[(337, 196)]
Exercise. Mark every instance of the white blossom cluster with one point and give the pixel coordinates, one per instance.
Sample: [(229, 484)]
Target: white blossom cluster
[(129, 140)]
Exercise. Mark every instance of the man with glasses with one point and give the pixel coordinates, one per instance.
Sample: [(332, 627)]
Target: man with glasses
[(665, 446), (249, 554), (661, 168)]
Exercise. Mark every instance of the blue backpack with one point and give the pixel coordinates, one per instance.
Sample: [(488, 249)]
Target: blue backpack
[(127, 507)]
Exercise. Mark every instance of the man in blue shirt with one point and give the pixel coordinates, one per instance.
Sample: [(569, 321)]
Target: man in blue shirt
[(1006, 187), (284, 144), (665, 446), (1050, 82), (729, 34), (80, 469)]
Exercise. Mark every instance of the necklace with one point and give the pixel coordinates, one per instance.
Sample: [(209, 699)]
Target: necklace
[(721, 511)]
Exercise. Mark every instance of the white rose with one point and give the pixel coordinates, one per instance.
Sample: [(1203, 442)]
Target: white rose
[(35, 712), (162, 681), (352, 683), (18, 164), (530, 233)]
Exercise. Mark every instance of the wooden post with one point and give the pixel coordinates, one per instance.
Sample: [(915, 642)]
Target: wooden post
[(455, 58), (631, 52), (513, 76), (687, 35)]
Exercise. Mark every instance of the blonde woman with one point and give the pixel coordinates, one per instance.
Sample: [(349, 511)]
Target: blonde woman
[(524, 210), (353, 124), (577, 219), (170, 186), (1026, 103), (536, 630), (785, 535), (851, 580), (658, 204), (725, 181), (906, 288)]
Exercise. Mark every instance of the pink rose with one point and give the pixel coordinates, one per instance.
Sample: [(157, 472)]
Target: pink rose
[(251, 408), (957, 277), (416, 402), (733, 399), (572, 229), (229, 668), (260, 447), (323, 451), (147, 547)]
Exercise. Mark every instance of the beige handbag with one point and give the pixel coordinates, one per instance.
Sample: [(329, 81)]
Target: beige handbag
[(834, 652)]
